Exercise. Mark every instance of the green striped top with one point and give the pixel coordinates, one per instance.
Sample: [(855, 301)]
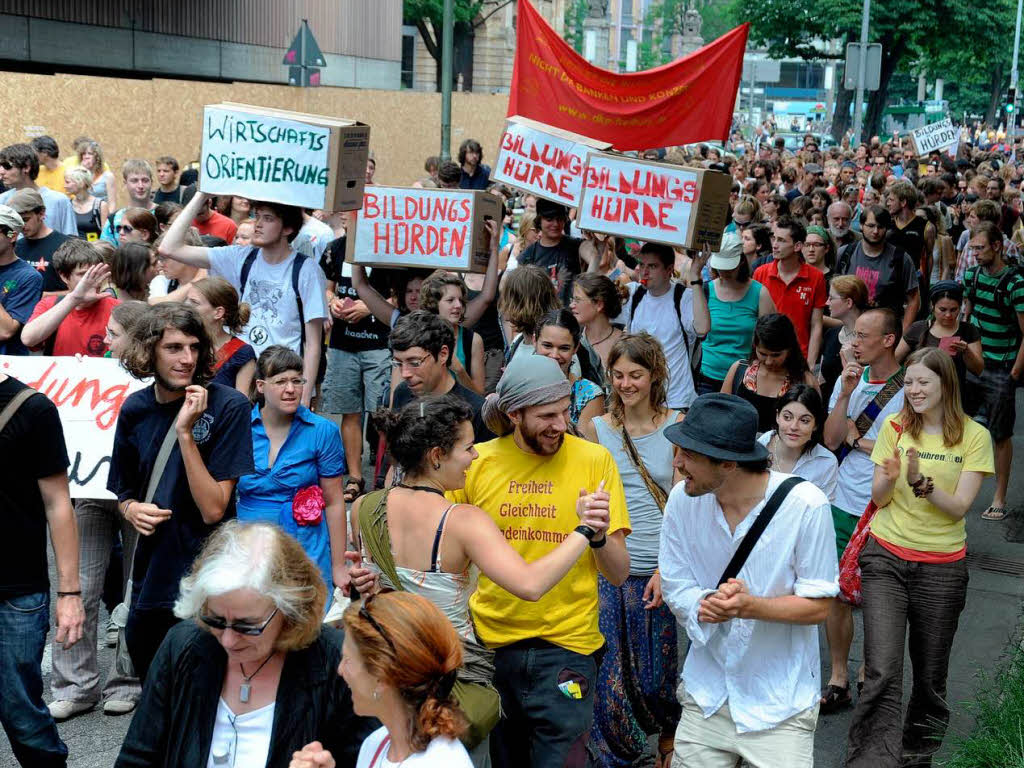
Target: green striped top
[(1000, 338)]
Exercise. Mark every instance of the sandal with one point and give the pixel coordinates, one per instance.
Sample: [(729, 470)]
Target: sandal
[(353, 489), (994, 513), (835, 698)]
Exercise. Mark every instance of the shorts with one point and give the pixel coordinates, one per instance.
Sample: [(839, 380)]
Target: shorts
[(845, 524), (997, 406), (355, 380)]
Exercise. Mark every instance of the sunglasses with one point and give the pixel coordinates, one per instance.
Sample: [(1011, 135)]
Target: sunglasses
[(6, 166), (364, 612), (124, 229), (252, 630)]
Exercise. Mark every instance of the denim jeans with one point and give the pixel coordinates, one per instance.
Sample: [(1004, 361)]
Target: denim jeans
[(24, 622), (927, 598), (544, 726)]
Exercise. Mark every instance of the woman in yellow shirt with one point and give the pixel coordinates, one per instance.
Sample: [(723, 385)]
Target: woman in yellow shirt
[(930, 462)]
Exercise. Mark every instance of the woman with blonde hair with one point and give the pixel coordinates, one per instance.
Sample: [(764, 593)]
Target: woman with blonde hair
[(90, 157), (400, 658), (930, 461), (90, 211), (526, 296), (245, 678), (224, 316), (526, 235)]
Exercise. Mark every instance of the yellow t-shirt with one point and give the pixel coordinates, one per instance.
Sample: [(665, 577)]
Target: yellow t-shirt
[(533, 500), (914, 523), (52, 179)]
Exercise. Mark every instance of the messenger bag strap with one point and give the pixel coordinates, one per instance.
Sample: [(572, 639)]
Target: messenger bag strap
[(161, 461), (14, 404), (739, 559)]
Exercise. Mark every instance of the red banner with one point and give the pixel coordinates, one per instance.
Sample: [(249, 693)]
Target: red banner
[(682, 102)]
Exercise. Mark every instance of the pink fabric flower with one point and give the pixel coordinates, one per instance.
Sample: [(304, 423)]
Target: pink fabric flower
[(308, 505)]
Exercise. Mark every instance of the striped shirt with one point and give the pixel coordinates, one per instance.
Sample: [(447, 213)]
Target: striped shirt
[(1000, 337)]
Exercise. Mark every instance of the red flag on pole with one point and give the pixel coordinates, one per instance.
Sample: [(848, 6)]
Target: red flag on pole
[(682, 102)]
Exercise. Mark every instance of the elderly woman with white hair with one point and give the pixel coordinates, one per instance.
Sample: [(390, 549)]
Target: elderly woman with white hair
[(250, 679)]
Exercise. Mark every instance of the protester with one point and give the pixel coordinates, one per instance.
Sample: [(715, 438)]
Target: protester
[(750, 692), (73, 324), (247, 678), (133, 267), (90, 157), (475, 175), (735, 302), (820, 251), (299, 466), (90, 212), (544, 475), (137, 225), (138, 181), (38, 242), (994, 296), (757, 245), (51, 170), (224, 317), (444, 294), (637, 676), (847, 300), (22, 285), (595, 304), (284, 290), (527, 294), (930, 461), (558, 336), (206, 219), (169, 190), (796, 445), (526, 235), (19, 168), (120, 325), (36, 501), (840, 220), (209, 423), (869, 390), (173, 282), (560, 256)]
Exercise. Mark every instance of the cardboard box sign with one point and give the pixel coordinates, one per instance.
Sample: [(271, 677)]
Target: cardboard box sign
[(433, 228), (545, 161), (654, 201), (936, 136), (294, 158)]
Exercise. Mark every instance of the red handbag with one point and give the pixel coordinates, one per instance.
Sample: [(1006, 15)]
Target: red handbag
[(849, 563)]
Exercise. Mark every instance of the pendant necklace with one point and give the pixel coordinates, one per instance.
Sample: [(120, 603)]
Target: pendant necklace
[(245, 689)]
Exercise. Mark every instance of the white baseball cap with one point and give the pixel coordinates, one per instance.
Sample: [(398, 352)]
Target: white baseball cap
[(729, 253), (11, 219)]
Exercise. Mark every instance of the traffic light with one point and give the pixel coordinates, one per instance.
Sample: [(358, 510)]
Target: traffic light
[(1011, 100)]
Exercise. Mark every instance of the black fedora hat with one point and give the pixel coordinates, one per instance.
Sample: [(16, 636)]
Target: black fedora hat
[(721, 426)]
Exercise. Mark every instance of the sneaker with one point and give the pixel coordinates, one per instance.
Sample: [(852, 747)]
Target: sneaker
[(112, 632), (62, 709), (117, 707)]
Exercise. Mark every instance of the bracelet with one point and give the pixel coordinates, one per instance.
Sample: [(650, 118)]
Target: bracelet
[(127, 505), (696, 282), (923, 487), (587, 531), (76, 593), (598, 544)]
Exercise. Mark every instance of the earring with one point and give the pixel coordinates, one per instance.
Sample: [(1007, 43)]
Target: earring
[(437, 466), (376, 694)]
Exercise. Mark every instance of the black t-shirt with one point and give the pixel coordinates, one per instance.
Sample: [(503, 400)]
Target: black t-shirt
[(369, 333), (224, 437), (481, 434), (489, 324), (168, 197), (562, 263), (227, 374), (32, 447), (918, 335), (910, 239), (39, 253)]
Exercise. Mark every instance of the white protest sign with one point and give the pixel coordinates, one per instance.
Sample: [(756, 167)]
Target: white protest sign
[(936, 136), (264, 157), (539, 162), (88, 393)]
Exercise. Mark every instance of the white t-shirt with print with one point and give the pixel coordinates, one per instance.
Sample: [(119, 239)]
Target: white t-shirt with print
[(440, 753), (657, 316), (856, 471), (274, 317)]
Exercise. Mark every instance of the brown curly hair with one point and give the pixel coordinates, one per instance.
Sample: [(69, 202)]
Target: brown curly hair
[(140, 356), (433, 288), (414, 649), (526, 295), (644, 350)]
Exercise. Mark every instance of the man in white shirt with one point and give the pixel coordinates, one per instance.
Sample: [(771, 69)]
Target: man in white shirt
[(286, 296), (676, 314), (868, 391), (750, 684)]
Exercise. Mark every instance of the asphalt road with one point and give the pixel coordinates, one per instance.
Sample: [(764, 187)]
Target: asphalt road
[(989, 626)]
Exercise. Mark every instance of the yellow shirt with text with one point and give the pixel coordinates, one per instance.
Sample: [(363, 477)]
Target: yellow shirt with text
[(533, 501), (914, 523)]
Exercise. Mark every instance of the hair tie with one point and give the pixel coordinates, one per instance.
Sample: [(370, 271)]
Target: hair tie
[(445, 683)]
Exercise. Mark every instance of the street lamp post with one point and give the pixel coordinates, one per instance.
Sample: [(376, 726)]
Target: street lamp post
[(447, 54), (1011, 129), (862, 62)]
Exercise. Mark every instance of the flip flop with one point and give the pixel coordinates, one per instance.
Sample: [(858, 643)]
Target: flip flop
[(994, 513)]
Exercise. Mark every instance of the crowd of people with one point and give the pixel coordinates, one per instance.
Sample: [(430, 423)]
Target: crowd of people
[(595, 496)]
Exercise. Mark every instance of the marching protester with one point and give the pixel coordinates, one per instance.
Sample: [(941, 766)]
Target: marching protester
[(138, 181), (847, 300), (249, 676), (796, 445), (180, 446), (224, 317), (90, 211), (19, 168), (749, 684), (595, 304), (22, 285), (38, 242)]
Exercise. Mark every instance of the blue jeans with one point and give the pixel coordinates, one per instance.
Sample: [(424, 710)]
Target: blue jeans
[(24, 622)]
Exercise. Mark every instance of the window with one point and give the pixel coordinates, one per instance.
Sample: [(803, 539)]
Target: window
[(408, 55)]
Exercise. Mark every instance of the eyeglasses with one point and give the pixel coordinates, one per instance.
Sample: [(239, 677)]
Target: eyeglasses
[(364, 612), (282, 383), (413, 362), (6, 166), (252, 630), (124, 229)]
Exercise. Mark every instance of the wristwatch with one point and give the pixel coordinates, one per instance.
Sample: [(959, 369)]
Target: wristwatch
[(587, 531), (696, 282), (598, 544), (855, 444)]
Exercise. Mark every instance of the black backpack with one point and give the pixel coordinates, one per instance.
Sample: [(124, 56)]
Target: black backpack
[(1001, 295), (677, 296), (300, 259)]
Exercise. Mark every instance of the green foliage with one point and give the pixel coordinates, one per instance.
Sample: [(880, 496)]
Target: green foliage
[(414, 11), (576, 12), (717, 18)]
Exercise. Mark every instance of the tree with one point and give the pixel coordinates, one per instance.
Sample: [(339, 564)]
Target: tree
[(576, 12), (428, 17)]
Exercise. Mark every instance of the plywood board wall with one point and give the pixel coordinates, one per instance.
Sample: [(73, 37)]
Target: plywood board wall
[(149, 118)]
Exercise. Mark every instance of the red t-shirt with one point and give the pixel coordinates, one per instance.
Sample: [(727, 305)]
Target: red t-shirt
[(797, 300), (217, 225), (83, 330)]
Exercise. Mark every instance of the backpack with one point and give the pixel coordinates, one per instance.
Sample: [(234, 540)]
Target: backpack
[(677, 296), (300, 259), (1001, 295)]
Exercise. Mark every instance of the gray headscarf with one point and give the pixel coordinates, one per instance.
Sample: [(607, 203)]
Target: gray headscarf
[(528, 380)]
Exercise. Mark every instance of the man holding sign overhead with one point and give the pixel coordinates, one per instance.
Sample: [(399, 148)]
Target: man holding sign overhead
[(285, 290)]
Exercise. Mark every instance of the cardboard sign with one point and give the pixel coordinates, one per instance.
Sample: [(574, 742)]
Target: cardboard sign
[(654, 201), (88, 393), (544, 161), (293, 158), (937, 136), (433, 228)]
